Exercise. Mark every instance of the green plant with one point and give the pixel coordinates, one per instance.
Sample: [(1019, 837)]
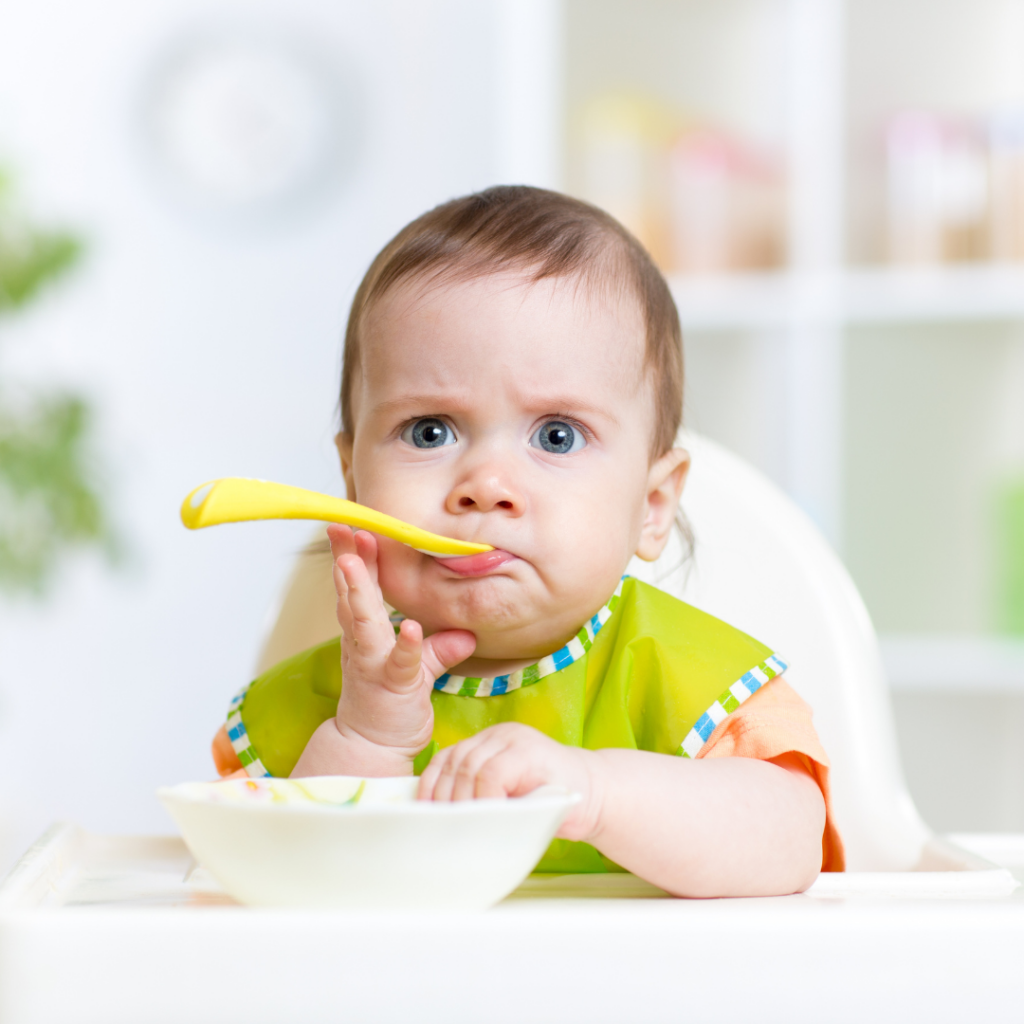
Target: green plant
[(49, 498), (29, 258)]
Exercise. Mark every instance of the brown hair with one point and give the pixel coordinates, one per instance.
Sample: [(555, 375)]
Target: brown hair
[(550, 235)]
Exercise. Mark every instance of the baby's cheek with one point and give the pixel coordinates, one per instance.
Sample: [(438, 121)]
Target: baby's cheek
[(590, 529), (397, 569)]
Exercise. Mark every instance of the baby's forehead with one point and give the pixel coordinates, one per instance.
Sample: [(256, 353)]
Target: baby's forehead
[(592, 317)]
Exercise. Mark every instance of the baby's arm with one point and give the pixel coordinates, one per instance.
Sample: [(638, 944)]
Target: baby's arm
[(730, 826), (384, 717)]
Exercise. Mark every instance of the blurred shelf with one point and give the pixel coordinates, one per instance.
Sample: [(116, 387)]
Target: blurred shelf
[(953, 664), (733, 301), (885, 295), (891, 295)]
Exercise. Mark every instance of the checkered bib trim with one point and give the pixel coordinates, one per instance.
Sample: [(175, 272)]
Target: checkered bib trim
[(240, 738), (742, 690), (576, 648)]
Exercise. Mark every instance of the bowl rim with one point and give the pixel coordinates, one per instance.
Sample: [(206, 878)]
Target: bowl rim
[(542, 797)]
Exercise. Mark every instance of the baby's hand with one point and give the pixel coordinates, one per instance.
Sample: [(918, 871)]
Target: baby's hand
[(512, 759), (384, 717)]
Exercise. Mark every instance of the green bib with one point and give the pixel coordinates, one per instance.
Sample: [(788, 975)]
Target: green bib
[(649, 672)]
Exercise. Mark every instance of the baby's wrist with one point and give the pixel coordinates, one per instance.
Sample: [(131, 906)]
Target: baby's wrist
[(588, 822), (337, 749), (375, 757), (364, 756)]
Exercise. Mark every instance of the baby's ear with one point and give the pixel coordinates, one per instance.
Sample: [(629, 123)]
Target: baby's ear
[(343, 442), (664, 486)]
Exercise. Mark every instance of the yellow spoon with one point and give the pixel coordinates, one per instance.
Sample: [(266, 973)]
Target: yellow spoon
[(235, 499)]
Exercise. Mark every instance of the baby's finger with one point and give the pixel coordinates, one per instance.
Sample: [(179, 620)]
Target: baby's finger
[(479, 772), (445, 781), (443, 650), (457, 778), (369, 628), (405, 661), (366, 548), (431, 773), (342, 540), (343, 611), (502, 775), (439, 768)]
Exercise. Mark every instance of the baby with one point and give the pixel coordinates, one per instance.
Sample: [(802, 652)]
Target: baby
[(513, 376)]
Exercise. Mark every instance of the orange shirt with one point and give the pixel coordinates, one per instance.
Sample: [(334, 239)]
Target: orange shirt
[(772, 722)]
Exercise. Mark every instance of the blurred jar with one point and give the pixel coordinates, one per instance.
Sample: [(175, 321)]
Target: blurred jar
[(727, 206), (1006, 170), (937, 194), (624, 142)]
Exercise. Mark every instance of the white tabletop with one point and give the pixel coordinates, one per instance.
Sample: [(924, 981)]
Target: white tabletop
[(111, 930)]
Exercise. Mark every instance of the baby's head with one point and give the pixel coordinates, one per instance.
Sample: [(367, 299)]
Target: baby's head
[(513, 375)]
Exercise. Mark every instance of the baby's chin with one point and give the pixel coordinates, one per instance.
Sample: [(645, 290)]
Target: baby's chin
[(482, 605), (513, 613)]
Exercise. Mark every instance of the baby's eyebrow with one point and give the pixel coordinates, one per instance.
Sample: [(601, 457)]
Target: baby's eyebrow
[(556, 404), (569, 405), (430, 401)]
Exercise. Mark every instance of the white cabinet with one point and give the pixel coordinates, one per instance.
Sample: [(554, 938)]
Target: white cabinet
[(880, 387)]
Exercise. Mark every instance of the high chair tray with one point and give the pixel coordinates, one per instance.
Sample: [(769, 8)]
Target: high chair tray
[(112, 930)]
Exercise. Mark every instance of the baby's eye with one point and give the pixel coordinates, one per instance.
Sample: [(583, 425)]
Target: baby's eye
[(558, 437), (429, 432)]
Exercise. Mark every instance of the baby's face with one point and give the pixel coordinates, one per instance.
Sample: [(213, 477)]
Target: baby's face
[(515, 414)]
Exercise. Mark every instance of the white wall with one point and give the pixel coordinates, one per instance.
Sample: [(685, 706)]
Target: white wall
[(209, 350)]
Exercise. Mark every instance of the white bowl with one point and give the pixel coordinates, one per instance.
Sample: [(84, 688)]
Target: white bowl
[(362, 843)]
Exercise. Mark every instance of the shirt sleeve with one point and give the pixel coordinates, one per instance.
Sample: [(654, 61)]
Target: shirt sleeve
[(224, 757), (772, 722)]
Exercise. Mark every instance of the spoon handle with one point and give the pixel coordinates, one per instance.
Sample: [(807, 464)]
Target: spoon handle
[(236, 499)]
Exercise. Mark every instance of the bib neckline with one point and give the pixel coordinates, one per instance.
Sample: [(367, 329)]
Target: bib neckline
[(576, 648)]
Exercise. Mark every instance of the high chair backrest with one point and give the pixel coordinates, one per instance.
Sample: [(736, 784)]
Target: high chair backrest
[(760, 564)]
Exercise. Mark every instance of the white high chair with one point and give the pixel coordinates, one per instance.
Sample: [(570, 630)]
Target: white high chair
[(110, 929), (761, 565)]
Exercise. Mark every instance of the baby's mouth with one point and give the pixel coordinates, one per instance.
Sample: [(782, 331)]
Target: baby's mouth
[(477, 565)]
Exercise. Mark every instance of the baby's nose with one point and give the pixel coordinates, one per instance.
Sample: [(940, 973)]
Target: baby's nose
[(485, 493)]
